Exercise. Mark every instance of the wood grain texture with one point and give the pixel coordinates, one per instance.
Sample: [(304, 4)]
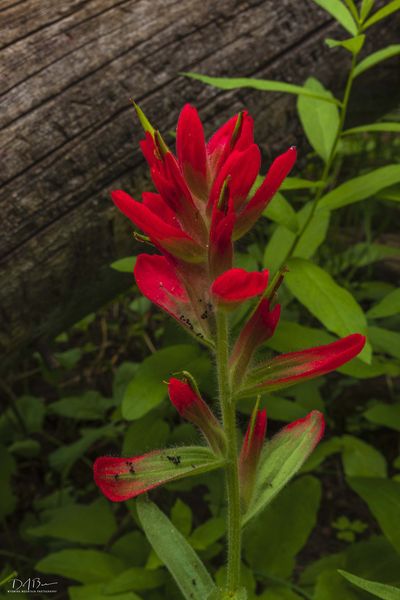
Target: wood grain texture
[(68, 134)]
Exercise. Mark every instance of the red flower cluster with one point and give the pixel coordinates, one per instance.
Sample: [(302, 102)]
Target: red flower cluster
[(203, 203)]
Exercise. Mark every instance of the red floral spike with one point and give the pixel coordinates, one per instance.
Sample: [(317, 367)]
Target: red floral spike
[(286, 369), (192, 407), (237, 285)]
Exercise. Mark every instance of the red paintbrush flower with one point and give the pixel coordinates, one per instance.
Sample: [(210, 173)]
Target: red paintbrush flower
[(237, 285)]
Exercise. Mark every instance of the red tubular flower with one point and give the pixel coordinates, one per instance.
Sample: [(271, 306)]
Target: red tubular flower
[(287, 369), (157, 279), (250, 453), (191, 150), (237, 285), (279, 169), (259, 328), (192, 407), (167, 237)]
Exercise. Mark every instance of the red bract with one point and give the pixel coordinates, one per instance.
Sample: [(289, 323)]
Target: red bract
[(287, 369), (237, 285)]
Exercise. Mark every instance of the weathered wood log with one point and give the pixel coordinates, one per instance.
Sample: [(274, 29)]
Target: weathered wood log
[(69, 137)]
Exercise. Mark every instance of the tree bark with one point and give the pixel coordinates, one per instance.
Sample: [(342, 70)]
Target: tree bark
[(69, 135)]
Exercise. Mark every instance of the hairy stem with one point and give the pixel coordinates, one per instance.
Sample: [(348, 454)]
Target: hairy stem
[(231, 468)]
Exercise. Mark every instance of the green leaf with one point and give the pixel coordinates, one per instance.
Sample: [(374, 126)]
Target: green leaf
[(366, 7), (86, 524), (132, 547), (147, 389), (144, 434), (321, 452), (297, 183), (361, 187), (124, 265), (280, 211), (331, 304), (289, 521), (319, 119), (85, 566), (282, 457), (380, 590), (64, 457), (181, 517), (385, 11), (189, 573), (384, 414), (375, 58), (353, 45), (281, 409), (208, 533), (264, 85), (388, 306), (385, 341), (95, 591), (383, 126), (353, 9), (362, 254), (361, 459), (339, 12), (383, 499), (330, 586), (135, 579), (90, 406)]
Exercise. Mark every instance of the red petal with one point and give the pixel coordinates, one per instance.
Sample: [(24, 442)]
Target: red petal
[(190, 143), (220, 145), (156, 204), (237, 285), (108, 473), (279, 169)]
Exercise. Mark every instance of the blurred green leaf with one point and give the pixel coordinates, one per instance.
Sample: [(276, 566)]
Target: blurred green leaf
[(84, 523), (95, 591), (135, 579), (385, 340), (384, 414), (280, 211), (353, 45), (361, 187), (124, 265), (339, 12), (85, 566), (265, 85), (388, 306), (33, 411), (281, 409), (330, 586), (289, 521), (383, 499), (64, 457), (181, 517), (28, 448), (297, 183), (90, 406), (361, 459), (383, 126), (70, 358), (148, 389), (380, 14), (144, 435), (319, 119), (208, 533), (366, 6), (331, 304), (132, 547), (361, 255), (374, 59), (380, 590), (192, 578)]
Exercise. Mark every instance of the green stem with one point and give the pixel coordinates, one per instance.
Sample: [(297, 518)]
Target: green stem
[(329, 163), (231, 468)]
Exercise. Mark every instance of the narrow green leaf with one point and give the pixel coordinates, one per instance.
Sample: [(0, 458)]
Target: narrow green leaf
[(85, 566), (388, 306), (385, 341), (280, 211), (124, 265), (380, 590), (361, 187), (382, 13), (366, 7), (282, 457), (384, 414), (297, 183), (179, 557), (360, 255), (376, 57), (353, 9), (331, 304), (384, 126), (264, 85), (383, 499), (340, 13), (353, 45), (320, 120)]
